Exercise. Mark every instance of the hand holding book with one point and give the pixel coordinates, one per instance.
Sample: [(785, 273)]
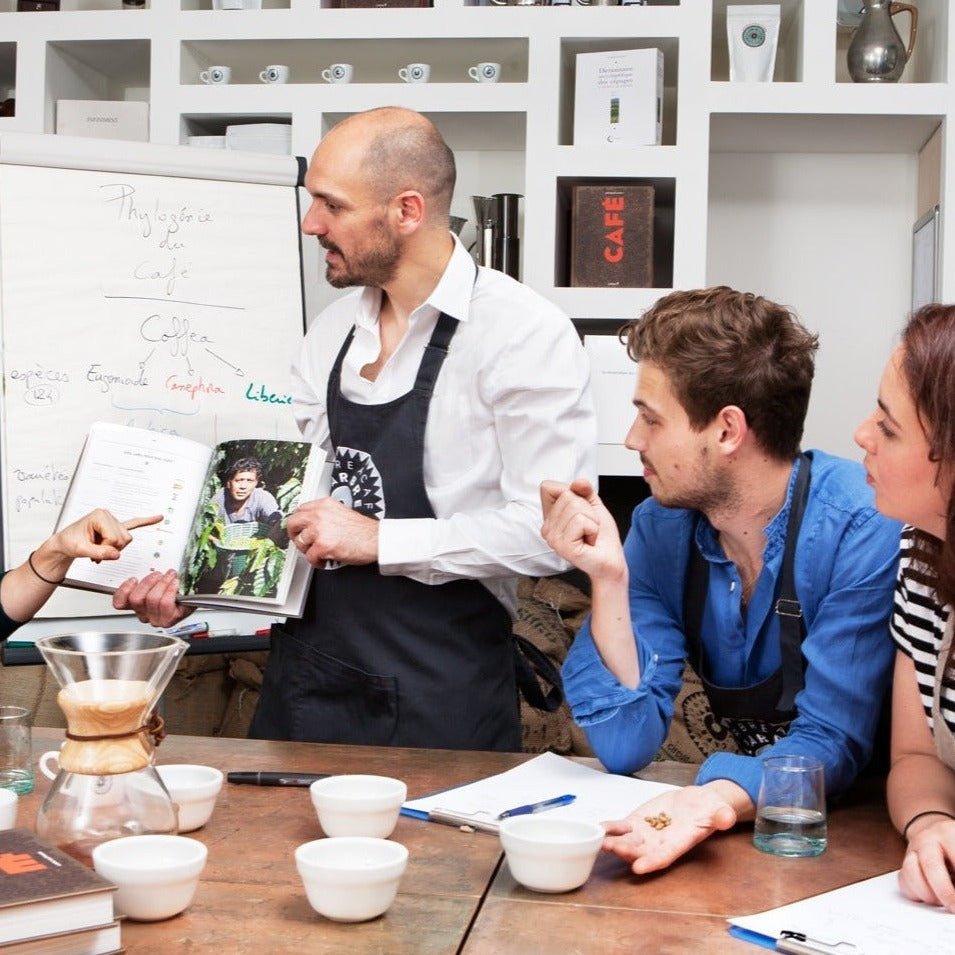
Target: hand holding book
[(222, 541)]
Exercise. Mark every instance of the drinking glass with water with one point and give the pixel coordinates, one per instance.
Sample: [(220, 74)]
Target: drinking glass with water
[(791, 809), (16, 754)]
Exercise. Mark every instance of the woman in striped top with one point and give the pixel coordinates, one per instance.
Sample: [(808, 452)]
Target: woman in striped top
[(910, 459)]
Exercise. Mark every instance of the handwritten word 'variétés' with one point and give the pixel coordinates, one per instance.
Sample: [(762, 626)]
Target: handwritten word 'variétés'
[(172, 331), (49, 473), (164, 221), (267, 396), (193, 388), (106, 380)]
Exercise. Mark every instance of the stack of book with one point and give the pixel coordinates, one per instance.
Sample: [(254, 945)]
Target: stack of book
[(50, 903)]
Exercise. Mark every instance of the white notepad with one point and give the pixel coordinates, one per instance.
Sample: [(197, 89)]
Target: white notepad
[(600, 796)]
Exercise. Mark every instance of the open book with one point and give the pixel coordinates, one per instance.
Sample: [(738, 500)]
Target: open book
[(224, 512)]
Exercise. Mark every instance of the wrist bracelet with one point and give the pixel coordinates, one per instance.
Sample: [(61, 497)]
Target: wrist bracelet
[(918, 815), (52, 583)]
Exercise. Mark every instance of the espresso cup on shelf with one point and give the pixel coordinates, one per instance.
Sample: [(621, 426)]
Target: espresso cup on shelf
[(216, 75), (415, 73), (338, 73), (276, 73), (485, 72)]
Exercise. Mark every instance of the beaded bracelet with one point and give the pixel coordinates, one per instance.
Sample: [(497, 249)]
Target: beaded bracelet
[(46, 580), (918, 815)]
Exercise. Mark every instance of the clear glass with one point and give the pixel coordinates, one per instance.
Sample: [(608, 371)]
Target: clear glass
[(107, 786), (791, 809), (16, 754)]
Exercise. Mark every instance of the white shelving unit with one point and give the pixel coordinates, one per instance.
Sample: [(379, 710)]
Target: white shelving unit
[(803, 189)]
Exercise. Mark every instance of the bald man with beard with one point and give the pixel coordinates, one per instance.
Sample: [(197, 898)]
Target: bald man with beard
[(445, 393)]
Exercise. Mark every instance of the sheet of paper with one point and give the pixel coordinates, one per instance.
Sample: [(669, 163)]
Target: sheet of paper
[(600, 795), (872, 915), (613, 378)]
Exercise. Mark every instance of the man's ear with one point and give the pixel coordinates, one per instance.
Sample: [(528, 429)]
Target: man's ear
[(731, 428), (408, 207)]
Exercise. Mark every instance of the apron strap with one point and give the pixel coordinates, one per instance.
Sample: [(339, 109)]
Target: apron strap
[(792, 625), (531, 663)]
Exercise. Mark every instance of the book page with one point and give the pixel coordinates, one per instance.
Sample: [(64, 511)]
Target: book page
[(133, 472), (239, 552)]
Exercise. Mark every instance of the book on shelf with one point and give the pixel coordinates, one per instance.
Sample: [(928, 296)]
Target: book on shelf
[(611, 234), (44, 889), (98, 940), (224, 512)]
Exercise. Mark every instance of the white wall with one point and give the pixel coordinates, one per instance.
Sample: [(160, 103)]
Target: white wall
[(844, 219)]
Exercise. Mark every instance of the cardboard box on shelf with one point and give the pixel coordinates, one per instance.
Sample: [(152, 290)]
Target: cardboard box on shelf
[(619, 98), (611, 236), (103, 119)]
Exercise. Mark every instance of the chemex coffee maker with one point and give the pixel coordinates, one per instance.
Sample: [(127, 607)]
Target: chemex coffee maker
[(107, 786), (498, 243)]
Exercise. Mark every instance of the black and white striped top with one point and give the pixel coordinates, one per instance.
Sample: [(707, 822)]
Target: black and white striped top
[(918, 626)]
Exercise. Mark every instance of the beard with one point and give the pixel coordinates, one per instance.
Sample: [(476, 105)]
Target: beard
[(374, 266), (707, 489)]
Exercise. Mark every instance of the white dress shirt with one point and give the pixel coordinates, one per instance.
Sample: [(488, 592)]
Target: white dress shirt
[(512, 406)]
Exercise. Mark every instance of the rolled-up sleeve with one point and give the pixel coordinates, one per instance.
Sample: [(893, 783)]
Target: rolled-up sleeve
[(627, 726)]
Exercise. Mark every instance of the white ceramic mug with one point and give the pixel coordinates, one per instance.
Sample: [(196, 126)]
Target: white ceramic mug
[(50, 756), (415, 73), (338, 73), (276, 73), (216, 75), (485, 72)]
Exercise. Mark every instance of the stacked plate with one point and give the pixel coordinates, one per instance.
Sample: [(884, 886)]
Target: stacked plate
[(208, 142), (260, 138)]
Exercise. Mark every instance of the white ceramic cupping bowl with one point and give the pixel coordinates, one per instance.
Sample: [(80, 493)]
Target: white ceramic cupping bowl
[(550, 855), (358, 805), (193, 789), (8, 808), (351, 878), (156, 876)]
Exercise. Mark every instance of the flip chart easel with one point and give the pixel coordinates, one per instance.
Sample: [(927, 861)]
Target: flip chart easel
[(152, 286)]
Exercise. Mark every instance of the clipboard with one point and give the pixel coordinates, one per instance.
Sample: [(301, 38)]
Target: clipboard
[(796, 943)]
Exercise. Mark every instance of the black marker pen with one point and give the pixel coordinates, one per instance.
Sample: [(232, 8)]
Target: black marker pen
[(275, 779)]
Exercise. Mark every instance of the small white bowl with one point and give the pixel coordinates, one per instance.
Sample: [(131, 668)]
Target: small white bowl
[(550, 855), (358, 805), (157, 876), (193, 789), (351, 878), (8, 808)]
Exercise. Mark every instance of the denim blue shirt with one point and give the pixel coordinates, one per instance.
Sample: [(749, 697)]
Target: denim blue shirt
[(846, 562)]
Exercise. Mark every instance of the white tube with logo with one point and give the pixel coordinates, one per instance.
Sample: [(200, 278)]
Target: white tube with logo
[(752, 31)]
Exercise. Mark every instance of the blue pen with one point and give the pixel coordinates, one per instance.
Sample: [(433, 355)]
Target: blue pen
[(531, 807), (184, 631)]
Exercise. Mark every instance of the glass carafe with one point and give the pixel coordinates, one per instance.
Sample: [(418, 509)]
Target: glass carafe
[(107, 786)]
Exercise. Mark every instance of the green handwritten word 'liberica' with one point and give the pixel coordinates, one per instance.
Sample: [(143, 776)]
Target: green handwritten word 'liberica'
[(269, 397)]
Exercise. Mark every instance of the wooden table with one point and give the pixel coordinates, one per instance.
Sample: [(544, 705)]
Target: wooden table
[(456, 895)]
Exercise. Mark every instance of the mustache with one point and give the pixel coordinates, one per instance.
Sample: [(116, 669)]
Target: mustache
[(329, 246)]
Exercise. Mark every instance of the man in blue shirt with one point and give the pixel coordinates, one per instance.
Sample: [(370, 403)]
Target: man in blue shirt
[(767, 569)]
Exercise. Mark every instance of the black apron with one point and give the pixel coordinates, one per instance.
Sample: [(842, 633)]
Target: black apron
[(756, 716), (386, 660)]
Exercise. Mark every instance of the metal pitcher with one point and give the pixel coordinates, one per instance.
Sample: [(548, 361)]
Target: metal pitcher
[(877, 53)]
